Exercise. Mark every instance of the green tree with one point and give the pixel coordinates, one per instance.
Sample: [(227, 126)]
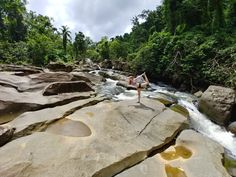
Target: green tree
[(44, 42), (232, 14), (103, 48), (117, 49), (218, 19), (12, 23), (79, 44), (65, 37)]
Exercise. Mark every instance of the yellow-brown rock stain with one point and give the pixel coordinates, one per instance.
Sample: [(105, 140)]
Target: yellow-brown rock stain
[(180, 151), (90, 114), (174, 171)]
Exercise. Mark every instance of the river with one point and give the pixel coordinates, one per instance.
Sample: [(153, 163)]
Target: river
[(198, 121)]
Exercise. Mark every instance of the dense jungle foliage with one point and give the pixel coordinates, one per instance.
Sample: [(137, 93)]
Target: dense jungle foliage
[(189, 43)]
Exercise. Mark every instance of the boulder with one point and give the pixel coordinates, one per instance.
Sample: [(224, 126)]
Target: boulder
[(55, 66), (67, 87), (120, 65), (6, 134), (88, 77), (107, 64), (166, 99), (193, 155), (232, 127), (40, 81), (217, 103), (123, 134), (112, 76), (198, 94)]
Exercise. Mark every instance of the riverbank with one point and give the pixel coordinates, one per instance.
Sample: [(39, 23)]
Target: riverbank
[(98, 132)]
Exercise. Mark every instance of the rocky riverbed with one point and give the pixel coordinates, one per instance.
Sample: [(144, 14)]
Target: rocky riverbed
[(60, 125)]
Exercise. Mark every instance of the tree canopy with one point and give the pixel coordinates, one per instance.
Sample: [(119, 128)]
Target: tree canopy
[(188, 43)]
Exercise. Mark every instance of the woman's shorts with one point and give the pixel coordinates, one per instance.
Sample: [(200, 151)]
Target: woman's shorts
[(139, 85)]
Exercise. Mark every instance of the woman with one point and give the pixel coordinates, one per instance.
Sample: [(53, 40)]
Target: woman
[(139, 82)]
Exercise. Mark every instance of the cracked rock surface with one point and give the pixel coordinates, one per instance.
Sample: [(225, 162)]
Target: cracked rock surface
[(199, 157), (123, 134)]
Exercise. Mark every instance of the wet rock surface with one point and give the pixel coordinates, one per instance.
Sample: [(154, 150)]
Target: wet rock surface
[(232, 127)]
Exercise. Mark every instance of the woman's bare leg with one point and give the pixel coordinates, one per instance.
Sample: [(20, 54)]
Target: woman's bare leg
[(139, 94), (146, 79), (146, 83)]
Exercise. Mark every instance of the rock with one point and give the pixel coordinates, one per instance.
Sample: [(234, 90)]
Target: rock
[(217, 103), (20, 94), (55, 66), (110, 76), (34, 82), (167, 100), (193, 156), (83, 69), (40, 81), (232, 127), (30, 122), (21, 70), (51, 77), (6, 134), (107, 64), (67, 87), (229, 162), (120, 65), (180, 109), (12, 101), (198, 94), (89, 77), (140, 128)]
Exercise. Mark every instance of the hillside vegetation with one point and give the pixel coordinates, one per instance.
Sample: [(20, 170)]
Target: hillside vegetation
[(188, 43)]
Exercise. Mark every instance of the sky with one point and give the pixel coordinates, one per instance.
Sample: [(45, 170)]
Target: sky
[(95, 18)]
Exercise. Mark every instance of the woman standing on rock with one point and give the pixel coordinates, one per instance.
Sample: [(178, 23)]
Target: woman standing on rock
[(139, 83)]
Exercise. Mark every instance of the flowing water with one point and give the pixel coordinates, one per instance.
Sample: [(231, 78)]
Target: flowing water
[(198, 121)]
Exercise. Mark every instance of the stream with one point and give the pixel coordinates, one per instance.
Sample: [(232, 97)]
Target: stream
[(198, 121)]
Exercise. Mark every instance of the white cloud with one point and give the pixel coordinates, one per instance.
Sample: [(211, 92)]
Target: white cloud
[(95, 18)]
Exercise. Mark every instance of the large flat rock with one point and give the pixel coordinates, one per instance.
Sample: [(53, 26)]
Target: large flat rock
[(123, 134), (29, 122), (11, 100), (193, 155)]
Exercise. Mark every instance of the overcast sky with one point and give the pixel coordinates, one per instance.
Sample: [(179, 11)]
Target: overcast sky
[(95, 18)]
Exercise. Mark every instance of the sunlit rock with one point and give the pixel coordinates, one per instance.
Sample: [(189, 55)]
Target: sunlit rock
[(217, 102), (123, 134), (194, 155)]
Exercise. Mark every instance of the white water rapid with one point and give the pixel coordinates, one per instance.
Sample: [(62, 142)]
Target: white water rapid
[(198, 121)]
